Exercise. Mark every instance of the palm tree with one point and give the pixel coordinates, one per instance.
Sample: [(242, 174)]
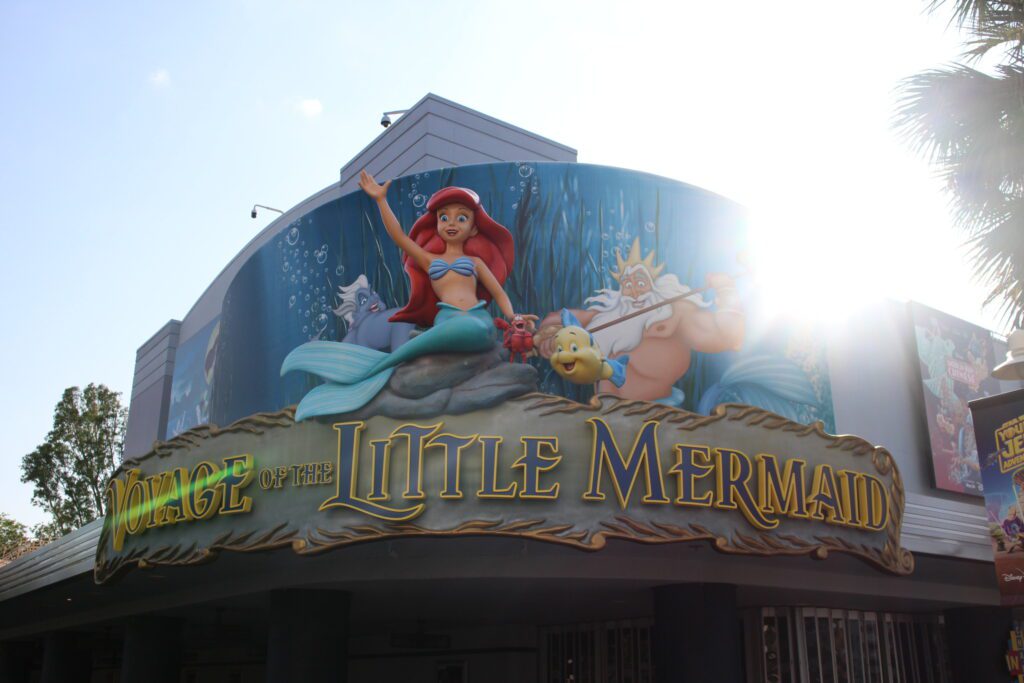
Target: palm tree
[(970, 124)]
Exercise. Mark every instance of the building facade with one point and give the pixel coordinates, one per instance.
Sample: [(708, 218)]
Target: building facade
[(487, 518)]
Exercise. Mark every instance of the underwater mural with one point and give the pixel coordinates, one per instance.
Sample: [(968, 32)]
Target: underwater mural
[(661, 260), (457, 259), (440, 356)]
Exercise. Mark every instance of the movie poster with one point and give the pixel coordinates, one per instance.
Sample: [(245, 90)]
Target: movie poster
[(956, 359), (999, 428)]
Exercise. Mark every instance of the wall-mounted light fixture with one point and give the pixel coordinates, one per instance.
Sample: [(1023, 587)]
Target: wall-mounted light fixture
[(1013, 367), (268, 208)]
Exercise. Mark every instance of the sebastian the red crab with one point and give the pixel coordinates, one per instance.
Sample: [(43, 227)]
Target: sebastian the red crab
[(517, 338)]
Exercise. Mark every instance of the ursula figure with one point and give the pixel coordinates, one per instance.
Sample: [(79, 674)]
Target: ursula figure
[(457, 258)]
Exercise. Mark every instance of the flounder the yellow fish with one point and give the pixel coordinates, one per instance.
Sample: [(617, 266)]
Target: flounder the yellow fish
[(578, 359)]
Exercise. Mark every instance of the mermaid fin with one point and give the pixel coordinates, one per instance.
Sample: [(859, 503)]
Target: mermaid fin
[(618, 366), (769, 382), (355, 374), (462, 334), (331, 399), (338, 362)]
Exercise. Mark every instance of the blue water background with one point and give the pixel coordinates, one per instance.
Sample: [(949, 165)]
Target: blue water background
[(567, 221)]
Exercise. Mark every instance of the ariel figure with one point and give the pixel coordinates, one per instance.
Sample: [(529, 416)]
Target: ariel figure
[(457, 258)]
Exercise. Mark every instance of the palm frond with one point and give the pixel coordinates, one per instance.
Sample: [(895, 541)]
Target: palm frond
[(970, 125), (991, 23), (1003, 28), (971, 13), (997, 252)]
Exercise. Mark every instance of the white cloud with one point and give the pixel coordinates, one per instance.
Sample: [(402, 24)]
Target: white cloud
[(310, 108), (160, 78)]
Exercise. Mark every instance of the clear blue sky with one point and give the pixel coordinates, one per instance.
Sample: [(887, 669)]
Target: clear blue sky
[(134, 137)]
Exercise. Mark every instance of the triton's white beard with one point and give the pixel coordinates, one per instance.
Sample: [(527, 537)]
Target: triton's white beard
[(627, 335)]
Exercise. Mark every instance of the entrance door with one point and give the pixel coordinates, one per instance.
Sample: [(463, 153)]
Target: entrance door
[(606, 652)]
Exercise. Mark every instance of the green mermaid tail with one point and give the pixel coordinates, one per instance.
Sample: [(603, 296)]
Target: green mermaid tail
[(355, 374)]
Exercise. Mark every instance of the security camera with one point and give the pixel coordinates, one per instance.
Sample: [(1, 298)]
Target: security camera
[(253, 214), (385, 120)]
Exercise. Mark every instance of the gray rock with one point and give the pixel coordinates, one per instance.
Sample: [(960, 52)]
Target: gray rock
[(493, 387), (423, 376), (502, 373), (451, 384), (390, 404)]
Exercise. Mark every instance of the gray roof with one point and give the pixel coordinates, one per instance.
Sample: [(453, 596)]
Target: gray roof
[(67, 557)]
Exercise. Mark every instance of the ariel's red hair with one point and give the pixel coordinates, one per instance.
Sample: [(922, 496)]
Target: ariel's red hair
[(492, 244)]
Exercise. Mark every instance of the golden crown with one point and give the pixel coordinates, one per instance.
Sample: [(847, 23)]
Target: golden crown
[(634, 259)]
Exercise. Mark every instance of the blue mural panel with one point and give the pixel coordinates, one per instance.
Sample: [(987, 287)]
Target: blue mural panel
[(601, 241), (194, 364)]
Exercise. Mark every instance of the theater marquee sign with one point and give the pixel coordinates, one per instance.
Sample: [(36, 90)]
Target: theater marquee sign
[(535, 466)]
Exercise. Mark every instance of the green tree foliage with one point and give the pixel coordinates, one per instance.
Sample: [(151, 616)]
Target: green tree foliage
[(970, 124), (45, 532), (12, 534), (70, 470)]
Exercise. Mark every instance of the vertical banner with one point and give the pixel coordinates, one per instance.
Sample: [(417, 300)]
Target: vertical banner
[(999, 427), (955, 358)]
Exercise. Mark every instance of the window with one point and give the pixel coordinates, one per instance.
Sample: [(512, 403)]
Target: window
[(818, 645)]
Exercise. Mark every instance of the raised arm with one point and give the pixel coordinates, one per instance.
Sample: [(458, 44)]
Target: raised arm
[(379, 193)]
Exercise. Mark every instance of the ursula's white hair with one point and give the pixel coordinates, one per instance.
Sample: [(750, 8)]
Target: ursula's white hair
[(347, 294)]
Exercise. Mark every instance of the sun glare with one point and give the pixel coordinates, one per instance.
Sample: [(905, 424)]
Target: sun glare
[(817, 273)]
